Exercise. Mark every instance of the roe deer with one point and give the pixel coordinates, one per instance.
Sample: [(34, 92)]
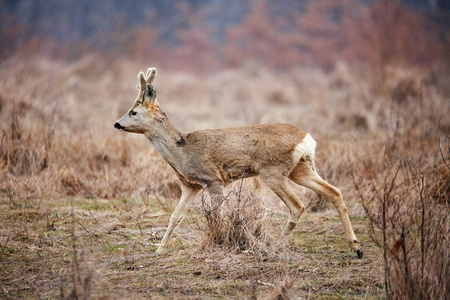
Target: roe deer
[(212, 159)]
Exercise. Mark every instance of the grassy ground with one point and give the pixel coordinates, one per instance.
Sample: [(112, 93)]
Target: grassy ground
[(82, 206), (114, 241)]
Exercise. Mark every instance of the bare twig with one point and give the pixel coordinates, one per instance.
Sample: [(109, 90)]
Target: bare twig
[(6, 244), (422, 225), (265, 283), (164, 206), (12, 203), (92, 216), (5, 292), (386, 262), (439, 142), (78, 222), (131, 217)]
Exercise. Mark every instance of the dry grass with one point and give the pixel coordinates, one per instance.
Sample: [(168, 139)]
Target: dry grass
[(409, 220), (240, 222), (69, 181)]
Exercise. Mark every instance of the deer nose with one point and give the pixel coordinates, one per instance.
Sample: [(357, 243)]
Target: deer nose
[(118, 126)]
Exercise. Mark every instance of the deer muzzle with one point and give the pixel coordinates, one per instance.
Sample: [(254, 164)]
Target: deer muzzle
[(118, 126)]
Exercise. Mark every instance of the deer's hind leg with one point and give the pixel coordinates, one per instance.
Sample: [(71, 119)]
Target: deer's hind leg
[(304, 174), (279, 184)]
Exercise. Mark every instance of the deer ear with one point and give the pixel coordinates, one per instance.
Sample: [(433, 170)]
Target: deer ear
[(151, 75), (141, 79), (150, 94)]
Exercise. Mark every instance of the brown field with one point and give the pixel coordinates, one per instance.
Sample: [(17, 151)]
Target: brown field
[(83, 206)]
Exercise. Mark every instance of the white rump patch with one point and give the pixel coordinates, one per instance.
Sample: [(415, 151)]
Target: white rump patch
[(310, 143), (305, 147)]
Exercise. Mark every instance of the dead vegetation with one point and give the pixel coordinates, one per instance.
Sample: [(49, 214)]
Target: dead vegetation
[(65, 173), (409, 220), (240, 222)]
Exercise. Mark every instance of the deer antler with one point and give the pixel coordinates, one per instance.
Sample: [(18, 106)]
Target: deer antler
[(146, 79), (151, 75), (141, 80)]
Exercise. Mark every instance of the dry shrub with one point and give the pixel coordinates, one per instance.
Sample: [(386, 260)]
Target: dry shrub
[(74, 185), (408, 209), (238, 222), (404, 190), (18, 152)]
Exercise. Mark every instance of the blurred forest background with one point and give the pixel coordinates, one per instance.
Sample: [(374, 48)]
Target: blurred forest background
[(221, 34), (82, 205)]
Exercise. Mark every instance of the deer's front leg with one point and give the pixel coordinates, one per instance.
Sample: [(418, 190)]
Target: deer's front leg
[(215, 190), (187, 196)]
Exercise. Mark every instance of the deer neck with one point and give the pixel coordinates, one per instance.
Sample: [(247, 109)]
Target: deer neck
[(168, 140)]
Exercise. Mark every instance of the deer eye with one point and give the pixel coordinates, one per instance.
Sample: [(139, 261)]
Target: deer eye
[(133, 113)]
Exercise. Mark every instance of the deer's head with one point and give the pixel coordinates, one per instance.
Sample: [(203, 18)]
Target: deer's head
[(141, 115)]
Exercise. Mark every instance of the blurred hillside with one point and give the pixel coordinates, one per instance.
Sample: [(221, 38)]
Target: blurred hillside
[(220, 34)]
